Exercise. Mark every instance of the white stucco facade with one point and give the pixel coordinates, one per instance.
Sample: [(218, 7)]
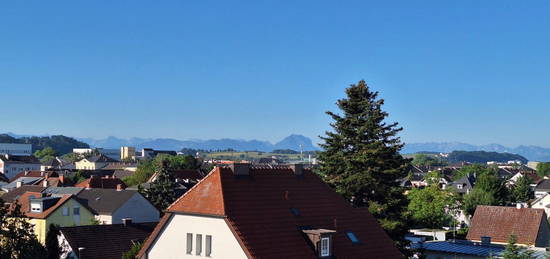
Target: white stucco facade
[(15, 149), (543, 202), (171, 243), (11, 169)]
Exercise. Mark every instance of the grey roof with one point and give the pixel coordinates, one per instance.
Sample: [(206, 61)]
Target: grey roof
[(123, 173), (15, 193), (104, 201), (101, 158), (23, 180), (543, 186), (62, 190), (467, 182), (19, 159)]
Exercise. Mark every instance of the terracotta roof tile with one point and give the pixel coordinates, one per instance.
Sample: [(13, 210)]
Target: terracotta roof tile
[(500, 222), (258, 208)]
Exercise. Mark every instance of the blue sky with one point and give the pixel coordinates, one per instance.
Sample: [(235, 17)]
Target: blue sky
[(470, 71)]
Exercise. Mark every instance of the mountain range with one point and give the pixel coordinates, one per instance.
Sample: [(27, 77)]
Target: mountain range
[(533, 153), (293, 142)]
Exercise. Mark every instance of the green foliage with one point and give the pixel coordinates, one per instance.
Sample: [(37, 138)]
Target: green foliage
[(161, 192), (427, 206), (132, 253), (521, 192), (426, 160), (361, 158), (17, 239), (62, 144), (514, 251), (475, 169), (477, 197), (52, 244), (76, 178), (543, 169), (45, 154), (146, 168), (483, 157), (72, 157)]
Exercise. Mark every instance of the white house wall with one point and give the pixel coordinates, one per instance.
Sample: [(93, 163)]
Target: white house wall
[(171, 242)]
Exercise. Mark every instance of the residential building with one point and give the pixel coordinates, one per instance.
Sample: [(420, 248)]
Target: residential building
[(94, 163), (43, 210), (22, 181), (151, 153), (102, 241), (464, 185), (127, 153), (542, 202), (499, 223), (10, 165), (106, 182), (542, 188), (15, 149), (112, 206), (266, 212), (55, 163), (14, 194)]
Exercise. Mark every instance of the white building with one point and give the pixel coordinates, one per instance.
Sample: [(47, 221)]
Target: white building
[(10, 165), (15, 149)]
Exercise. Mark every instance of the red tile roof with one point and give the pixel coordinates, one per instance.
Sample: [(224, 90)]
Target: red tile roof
[(500, 222), (101, 182), (258, 210), (24, 201)]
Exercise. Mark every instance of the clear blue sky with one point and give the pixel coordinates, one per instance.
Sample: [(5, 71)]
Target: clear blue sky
[(471, 71)]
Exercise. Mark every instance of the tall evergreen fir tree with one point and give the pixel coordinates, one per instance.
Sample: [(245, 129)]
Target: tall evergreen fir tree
[(361, 159), (161, 193)]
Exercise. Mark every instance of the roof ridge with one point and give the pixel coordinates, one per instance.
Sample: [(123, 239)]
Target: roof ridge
[(192, 188)]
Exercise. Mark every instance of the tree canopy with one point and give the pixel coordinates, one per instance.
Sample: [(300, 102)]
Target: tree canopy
[(543, 169), (361, 158)]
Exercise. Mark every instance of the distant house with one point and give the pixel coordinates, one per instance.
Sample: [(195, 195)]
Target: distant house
[(533, 177), (22, 181), (102, 241), (542, 188), (95, 162), (54, 163), (10, 165), (464, 185), (266, 212), (148, 153), (44, 210), (14, 194), (38, 173), (542, 202), (498, 223), (112, 206), (102, 182)]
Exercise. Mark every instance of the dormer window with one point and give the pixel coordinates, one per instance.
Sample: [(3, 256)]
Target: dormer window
[(325, 246), (459, 186)]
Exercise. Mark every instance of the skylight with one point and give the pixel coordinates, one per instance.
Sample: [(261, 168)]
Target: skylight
[(352, 237)]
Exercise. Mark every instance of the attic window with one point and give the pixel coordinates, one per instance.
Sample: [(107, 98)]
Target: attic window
[(295, 211), (352, 237), (325, 246)]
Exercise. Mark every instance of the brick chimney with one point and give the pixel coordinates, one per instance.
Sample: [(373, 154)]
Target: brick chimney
[(240, 168)]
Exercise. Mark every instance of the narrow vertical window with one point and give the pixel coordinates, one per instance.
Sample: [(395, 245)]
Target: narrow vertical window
[(199, 244), (189, 243), (208, 244), (325, 246)]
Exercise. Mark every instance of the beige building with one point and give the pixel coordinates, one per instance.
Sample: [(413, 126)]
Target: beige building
[(94, 163), (127, 153)]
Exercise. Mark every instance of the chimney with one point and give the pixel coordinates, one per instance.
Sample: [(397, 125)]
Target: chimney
[(240, 168), (26, 173), (119, 187), (42, 173), (45, 183), (88, 186), (485, 240), (127, 221), (18, 184), (298, 169), (7, 156)]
